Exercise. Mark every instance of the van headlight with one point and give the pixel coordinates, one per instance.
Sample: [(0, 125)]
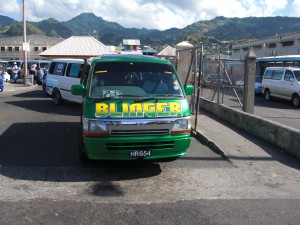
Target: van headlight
[(94, 128), (181, 126)]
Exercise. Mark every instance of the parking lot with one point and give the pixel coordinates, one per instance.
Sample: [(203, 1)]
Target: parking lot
[(42, 180)]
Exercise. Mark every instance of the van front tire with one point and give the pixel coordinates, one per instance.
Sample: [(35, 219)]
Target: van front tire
[(267, 95), (56, 96), (81, 151), (296, 101)]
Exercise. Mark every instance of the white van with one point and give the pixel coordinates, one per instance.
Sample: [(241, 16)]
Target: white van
[(62, 74), (282, 82)]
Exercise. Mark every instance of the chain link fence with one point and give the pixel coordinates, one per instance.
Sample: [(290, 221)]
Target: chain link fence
[(223, 81)]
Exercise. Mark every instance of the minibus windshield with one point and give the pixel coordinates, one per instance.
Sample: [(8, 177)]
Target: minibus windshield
[(127, 79)]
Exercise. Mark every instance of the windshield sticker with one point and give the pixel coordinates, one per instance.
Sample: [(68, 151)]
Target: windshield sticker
[(101, 71), (143, 110), (111, 93)]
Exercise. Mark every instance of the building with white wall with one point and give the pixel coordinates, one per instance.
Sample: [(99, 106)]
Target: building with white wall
[(12, 47), (284, 44)]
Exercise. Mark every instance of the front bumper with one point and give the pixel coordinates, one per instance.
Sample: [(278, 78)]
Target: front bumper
[(119, 148)]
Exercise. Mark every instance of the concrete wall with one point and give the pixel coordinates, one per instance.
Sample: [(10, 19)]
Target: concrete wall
[(277, 134)]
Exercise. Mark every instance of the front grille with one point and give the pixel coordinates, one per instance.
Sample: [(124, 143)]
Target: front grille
[(147, 145), (139, 132)]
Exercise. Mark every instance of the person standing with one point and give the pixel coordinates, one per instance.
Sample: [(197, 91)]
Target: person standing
[(15, 72)]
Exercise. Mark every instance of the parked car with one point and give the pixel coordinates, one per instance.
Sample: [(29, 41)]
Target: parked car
[(44, 83), (10, 65), (62, 74), (257, 85), (214, 79), (2, 69), (42, 67), (282, 82), (6, 76), (134, 107), (1, 83)]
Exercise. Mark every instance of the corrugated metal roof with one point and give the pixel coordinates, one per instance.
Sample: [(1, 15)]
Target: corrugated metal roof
[(78, 46), (168, 51), (150, 50)]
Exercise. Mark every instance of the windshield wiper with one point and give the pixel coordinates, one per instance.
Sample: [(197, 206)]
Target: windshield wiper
[(169, 95)]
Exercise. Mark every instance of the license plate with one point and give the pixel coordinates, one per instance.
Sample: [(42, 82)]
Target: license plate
[(140, 153)]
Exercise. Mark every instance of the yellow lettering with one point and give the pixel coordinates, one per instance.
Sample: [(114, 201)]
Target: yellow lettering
[(149, 109), (175, 109), (125, 109), (101, 109), (113, 110), (162, 109), (136, 110)]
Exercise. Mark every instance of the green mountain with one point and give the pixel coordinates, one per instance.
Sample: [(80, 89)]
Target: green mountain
[(210, 32), (6, 20)]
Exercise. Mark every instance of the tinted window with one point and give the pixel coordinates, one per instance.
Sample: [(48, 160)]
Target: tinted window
[(74, 70), (44, 65), (297, 74), (134, 79), (57, 68), (288, 75), (258, 79), (268, 74), (277, 75)]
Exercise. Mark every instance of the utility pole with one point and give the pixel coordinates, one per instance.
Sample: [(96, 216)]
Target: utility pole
[(24, 43)]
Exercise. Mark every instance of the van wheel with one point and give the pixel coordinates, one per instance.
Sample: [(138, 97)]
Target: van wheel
[(267, 95), (81, 151), (56, 96), (296, 101)]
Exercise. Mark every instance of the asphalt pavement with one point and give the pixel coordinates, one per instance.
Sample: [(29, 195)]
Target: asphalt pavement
[(222, 137)]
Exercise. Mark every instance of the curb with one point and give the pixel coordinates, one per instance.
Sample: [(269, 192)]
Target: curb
[(210, 144)]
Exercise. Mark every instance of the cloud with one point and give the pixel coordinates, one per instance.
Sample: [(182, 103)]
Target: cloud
[(295, 8), (151, 14)]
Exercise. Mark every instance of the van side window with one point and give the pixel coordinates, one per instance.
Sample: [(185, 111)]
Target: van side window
[(277, 75), (268, 74), (288, 75), (57, 68), (74, 70), (297, 75)]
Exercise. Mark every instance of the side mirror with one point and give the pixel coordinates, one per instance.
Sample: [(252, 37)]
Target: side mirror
[(77, 89), (189, 89), (291, 79)]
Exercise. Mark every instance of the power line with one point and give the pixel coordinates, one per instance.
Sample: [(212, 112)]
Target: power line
[(64, 13), (35, 8)]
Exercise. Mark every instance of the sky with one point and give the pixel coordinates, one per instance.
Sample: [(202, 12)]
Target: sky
[(150, 14)]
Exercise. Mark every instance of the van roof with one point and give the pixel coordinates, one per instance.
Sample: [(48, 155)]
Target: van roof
[(37, 60), (283, 68), (130, 57), (67, 60)]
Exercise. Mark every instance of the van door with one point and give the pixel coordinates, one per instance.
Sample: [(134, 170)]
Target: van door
[(287, 85), (277, 82), (72, 76), (55, 77)]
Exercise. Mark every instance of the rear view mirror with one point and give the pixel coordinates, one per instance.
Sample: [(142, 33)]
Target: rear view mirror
[(189, 89), (77, 89)]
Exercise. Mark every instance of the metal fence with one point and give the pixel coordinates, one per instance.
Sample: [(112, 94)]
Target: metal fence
[(223, 81), (219, 80)]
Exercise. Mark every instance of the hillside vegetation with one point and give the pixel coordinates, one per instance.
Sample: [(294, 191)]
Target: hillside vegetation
[(211, 32)]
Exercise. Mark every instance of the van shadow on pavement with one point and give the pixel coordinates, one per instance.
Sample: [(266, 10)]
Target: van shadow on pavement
[(49, 152), (46, 106)]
